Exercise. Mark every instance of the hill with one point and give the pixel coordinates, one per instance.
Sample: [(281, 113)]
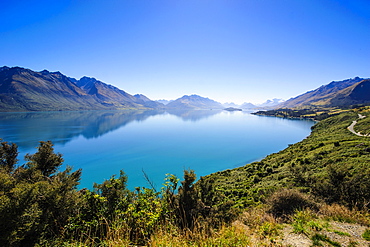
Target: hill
[(330, 95), (194, 102), (359, 93), (26, 90), (148, 102), (331, 156)]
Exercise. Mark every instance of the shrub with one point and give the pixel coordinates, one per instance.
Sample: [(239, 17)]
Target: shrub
[(285, 202), (36, 200), (317, 238), (344, 214), (366, 235)]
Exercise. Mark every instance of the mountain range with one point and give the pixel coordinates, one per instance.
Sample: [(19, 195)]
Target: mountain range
[(335, 94), (26, 90)]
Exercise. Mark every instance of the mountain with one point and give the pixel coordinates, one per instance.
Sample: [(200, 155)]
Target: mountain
[(271, 103), (194, 102), (265, 105), (164, 101), (148, 102), (359, 93), (231, 104), (107, 93), (26, 90), (247, 105), (336, 93)]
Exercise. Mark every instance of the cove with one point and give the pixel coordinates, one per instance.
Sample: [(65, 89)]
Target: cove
[(157, 142)]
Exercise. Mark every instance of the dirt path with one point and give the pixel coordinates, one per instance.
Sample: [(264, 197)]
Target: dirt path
[(351, 127), (345, 234)]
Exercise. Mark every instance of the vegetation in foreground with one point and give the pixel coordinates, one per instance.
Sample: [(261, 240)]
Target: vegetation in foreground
[(311, 191)]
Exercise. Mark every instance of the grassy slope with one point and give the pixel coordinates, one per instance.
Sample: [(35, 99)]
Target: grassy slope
[(305, 164)]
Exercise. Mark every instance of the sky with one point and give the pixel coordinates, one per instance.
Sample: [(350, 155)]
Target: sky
[(227, 50)]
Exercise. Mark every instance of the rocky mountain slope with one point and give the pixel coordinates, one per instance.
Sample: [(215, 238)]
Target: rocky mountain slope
[(336, 93), (26, 90), (359, 93)]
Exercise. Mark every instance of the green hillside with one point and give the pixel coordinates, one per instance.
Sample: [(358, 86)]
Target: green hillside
[(332, 163)]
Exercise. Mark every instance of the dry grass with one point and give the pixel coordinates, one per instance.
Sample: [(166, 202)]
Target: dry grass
[(234, 235), (341, 213), (257, 227)]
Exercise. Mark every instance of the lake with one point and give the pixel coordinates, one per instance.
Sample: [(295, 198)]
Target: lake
[(157, 142)]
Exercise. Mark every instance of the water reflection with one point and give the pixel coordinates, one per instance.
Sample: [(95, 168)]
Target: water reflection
[(26, 129)]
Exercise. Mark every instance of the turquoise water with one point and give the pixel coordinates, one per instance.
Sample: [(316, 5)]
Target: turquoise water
[(157, 142)]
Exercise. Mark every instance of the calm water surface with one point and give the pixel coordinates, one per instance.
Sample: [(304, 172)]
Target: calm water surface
[(104, 142)]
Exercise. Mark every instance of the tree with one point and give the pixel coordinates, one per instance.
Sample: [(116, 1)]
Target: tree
[(45, 160), (115, 192), (188, 200), (8, 156)]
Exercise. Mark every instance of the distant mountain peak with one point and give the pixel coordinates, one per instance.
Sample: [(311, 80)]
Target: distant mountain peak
[(194, 96), (194, 102), (230, 104), (163, 101), (87, 80), (142, 97), (45, 72), (271, 102), (247, 105)]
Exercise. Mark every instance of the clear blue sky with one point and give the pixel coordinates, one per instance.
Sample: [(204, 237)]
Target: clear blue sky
[(227, 50)]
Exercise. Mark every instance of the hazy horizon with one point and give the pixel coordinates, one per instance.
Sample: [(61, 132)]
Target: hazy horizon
[(229, 51)]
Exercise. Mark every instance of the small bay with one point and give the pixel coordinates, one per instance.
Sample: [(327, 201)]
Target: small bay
[(157, 142)]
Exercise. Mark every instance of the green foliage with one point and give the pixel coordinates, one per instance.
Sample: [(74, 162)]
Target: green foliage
[(366, 234), (346, 184), (302, 222), (187, 200), (318, 238), (144, 214), (44, 160), (8, 156), (33, 204), (342, 233), (111, 209), (269, 229), (116, 196)]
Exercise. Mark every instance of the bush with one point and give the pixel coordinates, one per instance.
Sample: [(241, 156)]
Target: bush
[(285, 202), (366, 235), (35, 200), (346, 184)]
